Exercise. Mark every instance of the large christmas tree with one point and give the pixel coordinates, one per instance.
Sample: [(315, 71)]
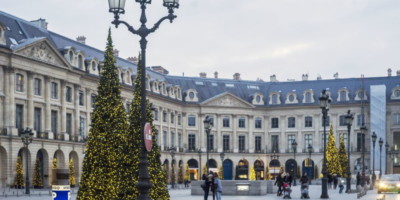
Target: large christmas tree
[(101, 166), (19, 174), (332, 158), (72, 179), (37, 178), (342, 157)]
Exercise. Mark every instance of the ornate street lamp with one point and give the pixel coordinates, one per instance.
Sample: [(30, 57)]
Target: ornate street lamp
[(207, 126), (172, 152), (380, 157), (199, 152), (349, 121), (275, 156), (386, 163), (310, 149), (373, 136), (325, 102), (363, 130), (222, 155), (26, 137), (118, 7), (294, 147)]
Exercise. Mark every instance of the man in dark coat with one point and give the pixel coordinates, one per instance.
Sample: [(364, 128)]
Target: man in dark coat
[(279, 183)]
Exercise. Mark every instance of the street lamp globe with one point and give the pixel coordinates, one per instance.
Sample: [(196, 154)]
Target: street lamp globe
[(373, 137), (324, 100), (117, 6), (222, 155), (380, 142), (171, 3), (309, 148), (349, 118), (294, 145), (207, 123)]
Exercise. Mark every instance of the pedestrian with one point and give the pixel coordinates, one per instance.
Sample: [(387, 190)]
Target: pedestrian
[(335, 181), (358, 179), (279, 182), (330, 180), (185, 183), (304, 178), (218, 186), (212, 184), (206, 186), (289, 179)]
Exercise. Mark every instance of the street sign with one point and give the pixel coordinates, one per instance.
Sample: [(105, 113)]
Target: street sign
[(61, 192), (147, 136)]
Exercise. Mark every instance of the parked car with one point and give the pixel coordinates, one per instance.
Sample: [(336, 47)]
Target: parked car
[(389, 183)]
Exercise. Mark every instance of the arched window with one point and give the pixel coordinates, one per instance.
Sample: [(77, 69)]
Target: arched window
[(71, 56), (343, 95), (94, 66), (274, 98), (308, 97), (80, 62)]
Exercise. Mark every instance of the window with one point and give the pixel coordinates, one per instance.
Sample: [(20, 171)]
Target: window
[(360, 120), (342, 120), (80, 62), (19, 83), (360, 141), (308, 97), (291, 98), (327, 121), (291, 139), (274, 122), (291, 122), (179, 119), (307, 140), (225, 122), (192, 120), (54, 121), (242, 140), (94, 66), (54, 90), (211, 120), (93, 102), (396, 119), (180, 140), (172, 117), (308, 122), (156, 114), (172, 139), (258, 98), (69, 123), (38, 87), (258, 143), (396, 93), (343, 95), (19, 116), (275, 143), (322, 139), (191, 95), (361, 94), (258, 123), (82, 126), (81, 98), (71, 56), (242, 122), (192, 142), (68, 94), (345, 139), (211, 142), (164, 116), (274, 98), (225, 143), (165, 138), (38, 118)]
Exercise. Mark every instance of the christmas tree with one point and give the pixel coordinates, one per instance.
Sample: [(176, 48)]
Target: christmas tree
[(106, 142), (55, 164), (342, 157), (332, 158), (19, 174), (316, 172), (37, 178), (221, 173), (180, 174), (267, 174), (187, 173), (72, 179), (165, 169), (252, 176)]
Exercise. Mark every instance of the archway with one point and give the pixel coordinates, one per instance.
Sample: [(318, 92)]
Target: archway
[(274, 167), (3, 167), (43, 158), (242, 170), (291, 166), (59, 159), (228, 169), (181, 174), (173, 172), (193, 169), (24, 153), (75, 161), (166, 170), (308, 167), (259, 169), (212, 165)]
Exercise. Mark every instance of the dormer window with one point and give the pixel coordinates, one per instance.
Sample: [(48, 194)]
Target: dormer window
[(396, 93), (308, 96), (291, 98), (80, 62), (94, 66), (258, 99), (343, 95), (2, 36), (361, 95), (71, 56), (274, 99), (191, 95)]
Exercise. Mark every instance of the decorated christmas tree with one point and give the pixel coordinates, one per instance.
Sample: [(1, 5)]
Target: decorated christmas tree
[(221, 173), (165, 170), (72, 179), (55, 163), (252, 176), (342, 157), (19, 174), (106, 144), (180, 174), (332, 158), (187, 173), (37, 178)]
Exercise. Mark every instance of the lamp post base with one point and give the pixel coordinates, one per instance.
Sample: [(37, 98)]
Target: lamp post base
[(348, 183), (324, 194)]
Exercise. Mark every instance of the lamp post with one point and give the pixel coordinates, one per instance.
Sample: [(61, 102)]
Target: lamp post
[(207, 126), (222, 155), (373, 159), (387, 151), (172, 153), (349, 121), (325, 102), (118, 7), (294, 147), (26, 137), (199, 152), (309, 148), (380, 156), (363, 130), (275, 156)]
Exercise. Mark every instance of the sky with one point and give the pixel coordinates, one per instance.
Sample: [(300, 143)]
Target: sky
[(256, 38)]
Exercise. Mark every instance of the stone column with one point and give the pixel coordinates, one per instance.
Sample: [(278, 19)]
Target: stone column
[(88, 106), (9, 103), (30, 109), (47, 124), (161, 131), (202, 134), (235, 136), (251, 134), (168, 121), (77, 112), (218, 125), (63, 115)]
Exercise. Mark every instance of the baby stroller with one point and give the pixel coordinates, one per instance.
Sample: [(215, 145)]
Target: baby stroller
[(286, 191), (304, 191)]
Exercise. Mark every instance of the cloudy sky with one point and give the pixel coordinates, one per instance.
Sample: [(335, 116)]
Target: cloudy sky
[(256, 38)]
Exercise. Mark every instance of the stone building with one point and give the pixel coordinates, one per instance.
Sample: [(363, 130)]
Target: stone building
[(48, 83)]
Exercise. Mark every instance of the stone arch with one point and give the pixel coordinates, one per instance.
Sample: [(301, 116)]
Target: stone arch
[(3, 167), (43, 157), (59, 155), (308, 167), (194, 169), (291, 166), (242, 170), (75, 160), (259, 169), (228, 169)]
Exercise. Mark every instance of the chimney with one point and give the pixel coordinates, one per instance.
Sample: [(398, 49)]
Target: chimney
[(305, 77), (398, 72), (41, 23), (272, 78), (236, 76), (336, 75), (216, 74), (159, 69), (116, 52), (203, 75), (81, 39), (389, 71), (319, 77), (133, 60)]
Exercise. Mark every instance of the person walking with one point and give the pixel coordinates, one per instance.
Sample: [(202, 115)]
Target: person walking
[(279, 183), (206, 186), (358, 179), (335, 181), (304, 179), (218, 186)]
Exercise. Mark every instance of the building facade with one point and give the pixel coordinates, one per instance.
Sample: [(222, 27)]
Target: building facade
[(48, 83)]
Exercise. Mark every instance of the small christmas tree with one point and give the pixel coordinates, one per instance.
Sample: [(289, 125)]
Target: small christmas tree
[(180, 174), (221, 173), (187, 173), (72, 179), (19, 174), (342, 157), (37, 178), (252, 176), (55, 164), (332, 159), (165, 169)]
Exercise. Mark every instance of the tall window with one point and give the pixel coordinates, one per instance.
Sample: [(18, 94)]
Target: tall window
[(327, 121), (275, 143), (179, 119), (82, 126), (242, 122), (80, 62), (291, 122), (291, 139), (258, 123), (225, 142), (396, 119), (211, 120), (360, 120), (164, 116), (54, 90), (360, 141), (345, 139), (69, 123), (342, 120), (19, 82), (322, 139), (180, 140), (172, 117), (192, 120), (93, 102), (258, 143), (172, 139), (54, 121), (165, 138), (225, 122), (242, 142), (275, 122), (19, 116), (68, 94), (192, 142), (156, 114), (308, 97), (38, 87), (307, 140), (37, 120), (81, 98), (274, 98), (211, 142), (308, 122)]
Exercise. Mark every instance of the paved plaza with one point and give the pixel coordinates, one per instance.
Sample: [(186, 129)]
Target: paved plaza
[(184, 194)]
